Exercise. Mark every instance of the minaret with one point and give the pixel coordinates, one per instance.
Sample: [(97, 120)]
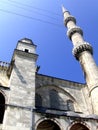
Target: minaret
[(83, 52)]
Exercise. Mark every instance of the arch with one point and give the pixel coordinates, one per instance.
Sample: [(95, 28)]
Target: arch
[(38, 100), (48, 125), (55, 87), (79, 126), (62, 101), (2, 107)]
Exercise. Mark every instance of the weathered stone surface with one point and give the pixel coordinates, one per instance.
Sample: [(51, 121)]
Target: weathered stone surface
[(39, 102)]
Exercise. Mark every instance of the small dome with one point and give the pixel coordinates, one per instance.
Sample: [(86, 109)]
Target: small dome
[(27, 40)]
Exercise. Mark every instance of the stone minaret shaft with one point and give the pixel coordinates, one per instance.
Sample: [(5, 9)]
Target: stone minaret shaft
[(83, 53)]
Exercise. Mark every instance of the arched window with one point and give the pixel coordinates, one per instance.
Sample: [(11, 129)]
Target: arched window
[(70, 105), (78, 126), (38, 100), (54, 99), (2, 107), (48, 125)]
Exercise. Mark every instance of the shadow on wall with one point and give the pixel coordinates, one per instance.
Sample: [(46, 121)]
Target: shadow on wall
[(58, 102), (20, 76), (54, 101)]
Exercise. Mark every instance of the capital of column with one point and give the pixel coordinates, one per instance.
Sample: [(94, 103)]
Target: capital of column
[(69, 18), (81, 48), (73, 30)]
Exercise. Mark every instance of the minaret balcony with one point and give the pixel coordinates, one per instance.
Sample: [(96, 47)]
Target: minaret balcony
[(69, 18), (81, 48), (73, 30)]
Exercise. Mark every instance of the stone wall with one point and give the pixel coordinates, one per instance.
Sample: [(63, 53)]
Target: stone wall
[(66, 90)]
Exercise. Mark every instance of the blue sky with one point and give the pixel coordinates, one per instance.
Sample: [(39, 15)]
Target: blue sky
[(42, 21)]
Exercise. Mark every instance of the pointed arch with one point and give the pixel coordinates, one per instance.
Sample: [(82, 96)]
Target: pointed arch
[(61, 95), (58, 88), (78, 125), (48, 124)]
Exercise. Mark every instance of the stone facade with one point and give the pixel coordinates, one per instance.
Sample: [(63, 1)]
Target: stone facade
[(32, 101)]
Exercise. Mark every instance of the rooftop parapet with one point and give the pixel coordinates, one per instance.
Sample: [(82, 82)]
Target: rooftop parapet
[(4, 65)]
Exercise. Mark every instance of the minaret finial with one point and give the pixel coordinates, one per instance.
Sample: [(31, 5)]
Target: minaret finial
[(64, 9)]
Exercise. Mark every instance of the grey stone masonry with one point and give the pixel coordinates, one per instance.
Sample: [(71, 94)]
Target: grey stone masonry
[(22, 85)]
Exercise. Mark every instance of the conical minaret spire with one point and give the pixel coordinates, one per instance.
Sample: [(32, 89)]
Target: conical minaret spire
[(83, 52), (64, 9)]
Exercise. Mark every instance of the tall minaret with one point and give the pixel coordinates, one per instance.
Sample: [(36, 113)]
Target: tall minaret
[(83, 52)]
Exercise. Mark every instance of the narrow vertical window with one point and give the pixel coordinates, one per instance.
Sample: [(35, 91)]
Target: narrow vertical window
[(26, 50), (54, 99), (70, 105), (38, 100), (2, 107)]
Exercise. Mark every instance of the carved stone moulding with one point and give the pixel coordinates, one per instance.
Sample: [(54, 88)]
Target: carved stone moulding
[(73, 30), (81, 48), (69, 18)]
